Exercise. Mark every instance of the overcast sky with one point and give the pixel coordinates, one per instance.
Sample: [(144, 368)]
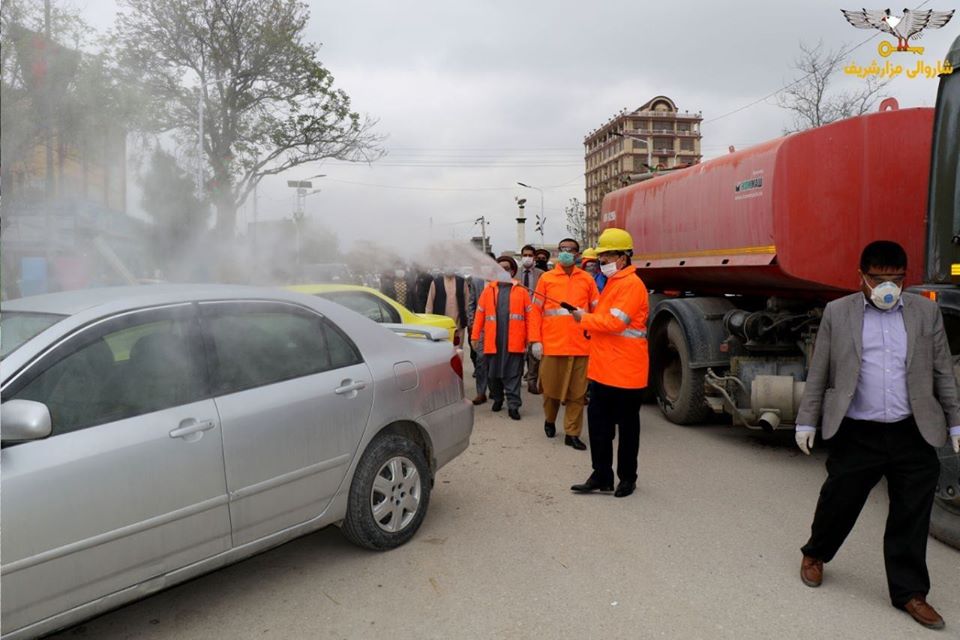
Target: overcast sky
[(475, 96)]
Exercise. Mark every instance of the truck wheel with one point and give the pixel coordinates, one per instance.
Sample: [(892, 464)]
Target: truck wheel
[(680, 391), (389, 494), (945, 520)]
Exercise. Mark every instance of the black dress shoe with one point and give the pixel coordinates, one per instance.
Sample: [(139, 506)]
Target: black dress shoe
[(550, 429), (575, 442), (514, 413), (497, 405), (591, 485), (624, 489)]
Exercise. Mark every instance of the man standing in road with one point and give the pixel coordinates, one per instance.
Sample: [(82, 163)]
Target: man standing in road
[(529, 276), (477, 283), (501, 319), (401, 285), (448, 297), (884, 400), (542, 257), (559, 341), (618, 366)]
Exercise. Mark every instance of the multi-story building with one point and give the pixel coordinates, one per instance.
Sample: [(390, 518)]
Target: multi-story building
[(631, 145)]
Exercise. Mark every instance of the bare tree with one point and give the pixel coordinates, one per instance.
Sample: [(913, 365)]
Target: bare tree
[(814, 101), (268, 103), (577, 220)]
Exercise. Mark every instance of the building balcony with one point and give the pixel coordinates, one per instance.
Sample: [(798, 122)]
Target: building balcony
[(667, 115)]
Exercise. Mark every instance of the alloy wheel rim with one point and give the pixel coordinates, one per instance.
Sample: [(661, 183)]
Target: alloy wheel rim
[(395, 496)]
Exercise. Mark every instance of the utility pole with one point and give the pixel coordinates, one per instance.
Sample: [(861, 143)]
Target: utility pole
[(483, 232), (48, 102)]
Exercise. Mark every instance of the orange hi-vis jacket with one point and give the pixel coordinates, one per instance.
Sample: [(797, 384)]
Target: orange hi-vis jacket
[(485, 319), (618, 333), (551, 324)]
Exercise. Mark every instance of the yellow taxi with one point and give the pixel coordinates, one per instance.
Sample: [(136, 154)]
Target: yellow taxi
[(374, 305)]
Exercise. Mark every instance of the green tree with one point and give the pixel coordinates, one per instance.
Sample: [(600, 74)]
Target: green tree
[(181, 221), (268, 103), (53, 94)]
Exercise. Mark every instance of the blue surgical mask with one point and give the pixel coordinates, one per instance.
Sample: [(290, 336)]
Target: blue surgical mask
[(566, 259)]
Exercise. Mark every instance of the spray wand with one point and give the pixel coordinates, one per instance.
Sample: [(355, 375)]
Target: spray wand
[(565, 305)]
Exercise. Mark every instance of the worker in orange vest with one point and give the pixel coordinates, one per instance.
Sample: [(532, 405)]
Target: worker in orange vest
[(618, 366), (559, 341), (500, 329)]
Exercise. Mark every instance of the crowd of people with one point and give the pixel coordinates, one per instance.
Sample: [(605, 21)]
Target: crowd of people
[(571, 338), (568, 331)]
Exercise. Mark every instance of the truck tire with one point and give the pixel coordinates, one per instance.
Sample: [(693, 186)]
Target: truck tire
[(945, 519), (680, 389), (389, 494)]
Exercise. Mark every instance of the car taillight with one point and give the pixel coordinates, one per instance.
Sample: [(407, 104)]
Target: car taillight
[(457, 364)]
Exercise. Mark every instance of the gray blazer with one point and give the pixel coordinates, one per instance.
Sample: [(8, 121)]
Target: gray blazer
[(835, 369)]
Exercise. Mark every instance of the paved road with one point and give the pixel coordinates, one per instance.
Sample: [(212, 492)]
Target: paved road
[(707, 548)]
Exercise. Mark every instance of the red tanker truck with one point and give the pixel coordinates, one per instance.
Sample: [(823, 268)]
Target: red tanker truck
[(742, 252)]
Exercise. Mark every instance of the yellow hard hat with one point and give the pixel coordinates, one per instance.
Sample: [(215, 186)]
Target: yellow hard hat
[(613, 239), (588, 254)]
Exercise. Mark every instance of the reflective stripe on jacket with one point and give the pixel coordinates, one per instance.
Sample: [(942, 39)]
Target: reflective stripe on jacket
[(551, 324), (618, 333), (485, 320)]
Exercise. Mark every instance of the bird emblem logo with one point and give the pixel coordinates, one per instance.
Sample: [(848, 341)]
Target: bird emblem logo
[(906, 27)]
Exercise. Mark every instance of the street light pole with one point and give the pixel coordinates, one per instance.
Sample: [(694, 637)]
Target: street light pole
[(542, 221), (299, 204)]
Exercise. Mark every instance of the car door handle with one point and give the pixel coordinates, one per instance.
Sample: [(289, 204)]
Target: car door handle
[(349, 386), (188, 427)]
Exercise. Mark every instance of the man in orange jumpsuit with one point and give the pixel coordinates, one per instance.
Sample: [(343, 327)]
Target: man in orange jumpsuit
[(559, 341), (500, 329), (618, 366)]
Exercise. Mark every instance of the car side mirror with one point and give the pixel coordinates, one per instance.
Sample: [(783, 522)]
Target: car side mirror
[(22, 420)]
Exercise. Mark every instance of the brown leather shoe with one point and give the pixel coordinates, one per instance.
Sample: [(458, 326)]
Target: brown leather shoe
[(811, 571), (480, 399), (923, 613)]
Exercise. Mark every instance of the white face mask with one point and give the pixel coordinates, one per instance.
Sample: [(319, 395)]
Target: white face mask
[(527, 261), (885, 295), (400, 273), (608, 269)]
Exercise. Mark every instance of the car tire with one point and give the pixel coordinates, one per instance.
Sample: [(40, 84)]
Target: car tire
[(389, 494)]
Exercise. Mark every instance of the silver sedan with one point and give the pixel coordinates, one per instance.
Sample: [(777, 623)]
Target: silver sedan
[(151, 434)]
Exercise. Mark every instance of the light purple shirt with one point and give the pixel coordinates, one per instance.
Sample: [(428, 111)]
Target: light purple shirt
[(881, 394)]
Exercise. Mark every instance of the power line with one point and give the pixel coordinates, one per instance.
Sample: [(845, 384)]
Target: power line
[(451, 189)]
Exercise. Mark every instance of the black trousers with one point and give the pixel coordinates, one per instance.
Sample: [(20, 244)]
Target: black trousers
[(860, 454), (609, 408)]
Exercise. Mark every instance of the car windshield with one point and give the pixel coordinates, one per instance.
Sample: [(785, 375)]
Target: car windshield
[(18, 327)]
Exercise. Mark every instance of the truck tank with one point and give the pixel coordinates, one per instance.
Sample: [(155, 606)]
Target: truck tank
[(788, 217)]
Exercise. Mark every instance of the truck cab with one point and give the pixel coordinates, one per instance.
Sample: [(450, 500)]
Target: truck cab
[(942, 270)]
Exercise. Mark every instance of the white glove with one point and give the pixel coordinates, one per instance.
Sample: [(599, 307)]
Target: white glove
[(805, 440), (956, 443), (536, 349), (578, 314)]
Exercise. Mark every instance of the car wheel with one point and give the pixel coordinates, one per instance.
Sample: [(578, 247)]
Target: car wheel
[(389, 494)]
